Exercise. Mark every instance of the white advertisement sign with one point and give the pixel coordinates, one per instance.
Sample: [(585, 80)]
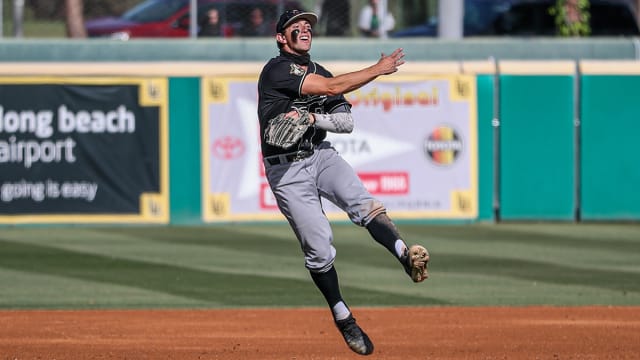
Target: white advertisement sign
[(414, 146)]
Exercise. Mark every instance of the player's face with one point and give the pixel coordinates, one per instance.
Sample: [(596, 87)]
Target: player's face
[(298, 36)]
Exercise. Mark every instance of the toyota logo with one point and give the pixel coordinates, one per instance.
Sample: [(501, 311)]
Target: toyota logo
[(228, 147)]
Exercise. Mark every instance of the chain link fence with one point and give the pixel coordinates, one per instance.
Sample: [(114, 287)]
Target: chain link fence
[(236, 18)]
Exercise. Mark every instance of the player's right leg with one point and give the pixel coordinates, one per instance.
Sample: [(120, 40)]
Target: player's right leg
[(297, 197), (357, 340)]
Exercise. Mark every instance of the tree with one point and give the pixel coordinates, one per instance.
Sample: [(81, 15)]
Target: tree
[(572, 17), (75, 20)]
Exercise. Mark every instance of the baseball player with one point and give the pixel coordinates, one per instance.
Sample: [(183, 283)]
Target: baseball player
[(299, 101)]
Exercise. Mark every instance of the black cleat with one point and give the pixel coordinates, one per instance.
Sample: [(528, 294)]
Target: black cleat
[(353, 335)]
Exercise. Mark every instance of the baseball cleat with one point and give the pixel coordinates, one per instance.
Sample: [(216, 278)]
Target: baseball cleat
[(415, 262), (356, 339)]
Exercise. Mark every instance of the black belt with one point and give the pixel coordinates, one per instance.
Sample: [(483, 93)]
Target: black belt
[(288, 157)]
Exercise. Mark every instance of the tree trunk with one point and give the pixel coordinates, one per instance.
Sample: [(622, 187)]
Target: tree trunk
[(638, 11), (75, 20)]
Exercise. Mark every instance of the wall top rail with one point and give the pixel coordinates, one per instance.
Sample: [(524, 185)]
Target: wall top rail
[(551, 67), (324, 49), (201, 68), (617, 67), (212, 68)]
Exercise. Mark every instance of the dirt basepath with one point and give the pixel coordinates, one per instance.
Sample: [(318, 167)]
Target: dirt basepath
[(401, 333)]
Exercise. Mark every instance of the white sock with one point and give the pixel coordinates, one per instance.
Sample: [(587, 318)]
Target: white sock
[(400, 248), (340, 311)]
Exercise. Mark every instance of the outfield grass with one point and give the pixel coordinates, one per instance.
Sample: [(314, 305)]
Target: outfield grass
[(261, 266), (37, 29)]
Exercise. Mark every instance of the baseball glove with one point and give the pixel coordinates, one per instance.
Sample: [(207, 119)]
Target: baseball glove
[(286, 129)]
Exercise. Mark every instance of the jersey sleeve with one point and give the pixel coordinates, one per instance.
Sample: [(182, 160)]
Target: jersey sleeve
[(283, 80)]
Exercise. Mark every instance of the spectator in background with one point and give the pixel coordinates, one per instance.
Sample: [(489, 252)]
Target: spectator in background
[(369, 22), (256, 25), (210, 26), (336, 16)]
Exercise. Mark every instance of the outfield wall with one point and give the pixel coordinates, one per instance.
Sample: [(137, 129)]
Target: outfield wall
[(556, 140)]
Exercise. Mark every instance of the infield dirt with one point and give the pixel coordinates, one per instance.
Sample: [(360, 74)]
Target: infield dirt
[(398, 333)]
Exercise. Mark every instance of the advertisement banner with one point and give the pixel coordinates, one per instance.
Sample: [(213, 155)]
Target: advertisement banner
[(414, 146), (83, 150)]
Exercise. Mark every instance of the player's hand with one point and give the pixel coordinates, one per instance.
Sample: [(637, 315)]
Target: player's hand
[(388, 64), (295, 115)]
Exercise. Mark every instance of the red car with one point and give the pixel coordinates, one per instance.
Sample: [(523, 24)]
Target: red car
[(171, 18)]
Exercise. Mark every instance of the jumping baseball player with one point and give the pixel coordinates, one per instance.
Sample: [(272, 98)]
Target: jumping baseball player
[(299, 101)]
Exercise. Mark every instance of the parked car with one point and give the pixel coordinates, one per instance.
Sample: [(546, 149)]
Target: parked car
[(531, 18), (171, 18)]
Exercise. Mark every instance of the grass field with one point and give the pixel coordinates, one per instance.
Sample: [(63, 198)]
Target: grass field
[(261, 266), (37, 29)]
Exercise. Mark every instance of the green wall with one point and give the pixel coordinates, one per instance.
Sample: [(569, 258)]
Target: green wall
[(184, 150), (485, 84), (536, 147), (610, 166), (536, 162)]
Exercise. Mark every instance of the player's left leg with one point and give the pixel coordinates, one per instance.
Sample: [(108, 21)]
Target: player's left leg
[(342, 186), (414, 258)]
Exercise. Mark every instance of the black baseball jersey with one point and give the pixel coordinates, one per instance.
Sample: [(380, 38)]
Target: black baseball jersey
[(279, 90)]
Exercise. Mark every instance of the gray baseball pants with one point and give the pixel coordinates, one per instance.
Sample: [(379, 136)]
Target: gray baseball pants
[(298, 186)]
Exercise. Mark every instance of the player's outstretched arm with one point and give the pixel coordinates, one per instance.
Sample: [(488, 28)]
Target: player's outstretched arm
[(319, 85)]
